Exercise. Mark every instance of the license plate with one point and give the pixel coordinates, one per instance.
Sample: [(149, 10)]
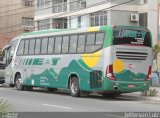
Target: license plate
[(131, 86)]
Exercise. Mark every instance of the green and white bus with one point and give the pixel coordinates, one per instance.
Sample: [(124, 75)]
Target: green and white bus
[(102, 59)]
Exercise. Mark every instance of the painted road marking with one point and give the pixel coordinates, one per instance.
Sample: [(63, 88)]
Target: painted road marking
[(56, 106), (115, 116)]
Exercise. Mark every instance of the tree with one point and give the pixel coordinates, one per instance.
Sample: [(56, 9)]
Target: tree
[(156, 50), (4, 106)]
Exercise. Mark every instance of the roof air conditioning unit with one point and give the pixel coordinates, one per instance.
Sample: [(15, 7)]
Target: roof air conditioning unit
[(27, 28), (134, 17)]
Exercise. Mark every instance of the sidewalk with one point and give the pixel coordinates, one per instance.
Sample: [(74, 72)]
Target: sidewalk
[(154, 98), (148, 98)]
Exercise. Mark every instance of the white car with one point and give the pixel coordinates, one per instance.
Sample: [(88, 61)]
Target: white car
[(155, 79)]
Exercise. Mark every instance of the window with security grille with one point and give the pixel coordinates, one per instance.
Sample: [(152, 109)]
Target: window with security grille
[(141, 2), (26, 21), (99, 18), (43, 3), (44, 24), (27, 2)]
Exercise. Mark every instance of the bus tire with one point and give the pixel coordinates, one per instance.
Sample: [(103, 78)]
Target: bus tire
[(18, 83), (74, 87)]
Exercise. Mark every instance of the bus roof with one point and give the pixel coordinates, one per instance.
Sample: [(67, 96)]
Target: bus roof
[(89, 29)]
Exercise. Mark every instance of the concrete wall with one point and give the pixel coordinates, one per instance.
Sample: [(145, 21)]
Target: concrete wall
[(122, 1), (91, 2), (11, 16), (121, 18), (43, 10), (85, 22), (153, 19)]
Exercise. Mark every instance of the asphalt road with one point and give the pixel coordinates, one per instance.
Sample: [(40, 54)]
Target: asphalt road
[(60, 101)]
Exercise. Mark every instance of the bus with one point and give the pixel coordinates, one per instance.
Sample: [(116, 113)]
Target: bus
[(103, 59), (8, 52)]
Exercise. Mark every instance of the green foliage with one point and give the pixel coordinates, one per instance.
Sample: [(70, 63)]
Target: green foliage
[(4, 105), (156, 50), (151, 92)]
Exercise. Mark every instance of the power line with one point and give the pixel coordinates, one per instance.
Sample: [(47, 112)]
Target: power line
[(87, 13)]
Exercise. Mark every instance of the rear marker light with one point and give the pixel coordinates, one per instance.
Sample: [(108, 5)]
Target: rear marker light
[(109, 72), (149, 73)]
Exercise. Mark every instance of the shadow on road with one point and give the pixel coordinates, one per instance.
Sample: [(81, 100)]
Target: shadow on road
[(61, 92)]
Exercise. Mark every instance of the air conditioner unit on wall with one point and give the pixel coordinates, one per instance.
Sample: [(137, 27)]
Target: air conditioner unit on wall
[(134, 17), (27, 28)]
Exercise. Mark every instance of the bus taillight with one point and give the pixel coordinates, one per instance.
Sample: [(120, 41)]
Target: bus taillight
[(109, 72), (149, 73)]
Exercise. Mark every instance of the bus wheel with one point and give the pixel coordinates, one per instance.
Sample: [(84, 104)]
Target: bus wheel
[(74, 87), (18, 83)]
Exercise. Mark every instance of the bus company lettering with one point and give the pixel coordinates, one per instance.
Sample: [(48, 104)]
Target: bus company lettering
[(39, 61)]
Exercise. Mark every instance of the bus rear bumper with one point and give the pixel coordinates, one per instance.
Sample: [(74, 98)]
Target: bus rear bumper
[(125, 87)]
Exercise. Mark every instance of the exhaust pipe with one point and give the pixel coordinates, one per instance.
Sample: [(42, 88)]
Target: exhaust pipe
[(116, 88)]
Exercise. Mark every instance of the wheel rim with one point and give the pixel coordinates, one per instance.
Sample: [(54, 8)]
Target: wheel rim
[(74, 87), (18, 82)]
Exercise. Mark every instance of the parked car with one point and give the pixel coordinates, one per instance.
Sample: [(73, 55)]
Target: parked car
[(2, 72), (155, 79)]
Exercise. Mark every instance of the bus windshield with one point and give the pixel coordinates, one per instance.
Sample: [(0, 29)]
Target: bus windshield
[(131, 37)]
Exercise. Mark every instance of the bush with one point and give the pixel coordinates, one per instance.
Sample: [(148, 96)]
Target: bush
[(151, 92), (4, 106)]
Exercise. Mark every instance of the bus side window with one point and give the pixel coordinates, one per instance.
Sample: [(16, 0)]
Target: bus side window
[(26, 49), (44, 45), (31, 46), (65, 44), (81, 43), (91, 39), (37, 46), (99, 38), (21, 48), (90, 43), (50, 45), (73, 44), (58, 45), (94, 42)]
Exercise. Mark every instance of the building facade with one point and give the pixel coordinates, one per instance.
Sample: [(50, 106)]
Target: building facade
[(16, 16), (85, 13)]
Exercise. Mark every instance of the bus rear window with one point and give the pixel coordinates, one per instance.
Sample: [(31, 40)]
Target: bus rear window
[(131, 37)]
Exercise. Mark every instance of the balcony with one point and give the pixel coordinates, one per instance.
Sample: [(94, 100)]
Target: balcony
[(64, 6), (77, 5), (60, 7)]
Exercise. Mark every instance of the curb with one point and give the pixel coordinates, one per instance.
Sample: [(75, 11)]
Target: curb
[(157, 99), (138, 95)]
